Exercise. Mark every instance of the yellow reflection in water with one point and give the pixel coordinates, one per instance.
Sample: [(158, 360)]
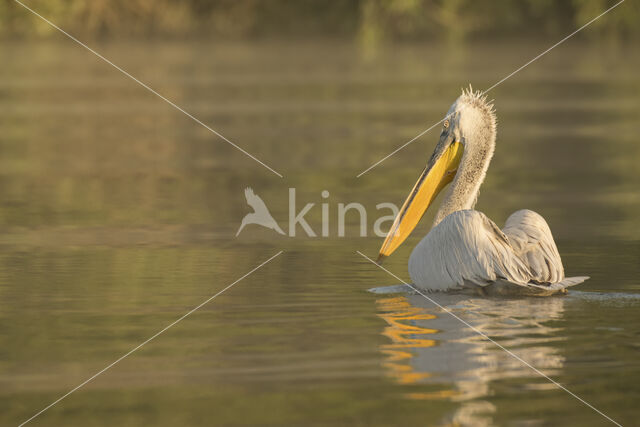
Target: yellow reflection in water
[(439, 350), (397, 311)]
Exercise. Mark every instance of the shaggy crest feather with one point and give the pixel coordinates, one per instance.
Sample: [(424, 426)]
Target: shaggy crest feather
[(479, 100)]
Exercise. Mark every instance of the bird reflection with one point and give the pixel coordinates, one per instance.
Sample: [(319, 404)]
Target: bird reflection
[(441, 358)]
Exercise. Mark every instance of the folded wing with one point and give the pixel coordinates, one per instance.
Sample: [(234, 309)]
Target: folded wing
[(467, 248), (531, 239)]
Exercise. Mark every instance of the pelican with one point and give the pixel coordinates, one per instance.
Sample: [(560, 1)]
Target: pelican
[(465, 250)]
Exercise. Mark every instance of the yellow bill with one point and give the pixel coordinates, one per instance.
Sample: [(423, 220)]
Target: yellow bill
[(433, 179)]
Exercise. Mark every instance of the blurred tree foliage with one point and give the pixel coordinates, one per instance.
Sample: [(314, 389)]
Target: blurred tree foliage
[(371, 22)]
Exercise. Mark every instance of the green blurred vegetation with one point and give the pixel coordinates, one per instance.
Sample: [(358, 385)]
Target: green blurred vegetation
[(368, 21)]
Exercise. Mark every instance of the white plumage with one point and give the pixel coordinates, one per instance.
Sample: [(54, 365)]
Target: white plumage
[(465, 250), (468, 250)]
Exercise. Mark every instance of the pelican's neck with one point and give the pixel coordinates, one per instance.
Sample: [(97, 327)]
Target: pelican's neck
[(463, 192)]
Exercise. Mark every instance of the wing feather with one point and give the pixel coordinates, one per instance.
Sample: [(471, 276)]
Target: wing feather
[(467, 248), (531, 239)]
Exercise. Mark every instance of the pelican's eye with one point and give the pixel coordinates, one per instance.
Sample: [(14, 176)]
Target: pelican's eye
[(446, 124)]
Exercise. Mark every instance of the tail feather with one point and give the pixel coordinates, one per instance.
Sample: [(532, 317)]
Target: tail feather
[(505, 287), (572, 281), (563, 284)]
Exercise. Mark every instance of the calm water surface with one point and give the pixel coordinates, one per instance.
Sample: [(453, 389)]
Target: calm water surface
[(118, 214)]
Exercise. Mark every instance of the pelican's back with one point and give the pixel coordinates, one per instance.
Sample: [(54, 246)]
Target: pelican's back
[(465, 246), (467, 249)]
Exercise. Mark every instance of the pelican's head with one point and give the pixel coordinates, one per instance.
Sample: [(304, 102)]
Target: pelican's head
[(462, 155)]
